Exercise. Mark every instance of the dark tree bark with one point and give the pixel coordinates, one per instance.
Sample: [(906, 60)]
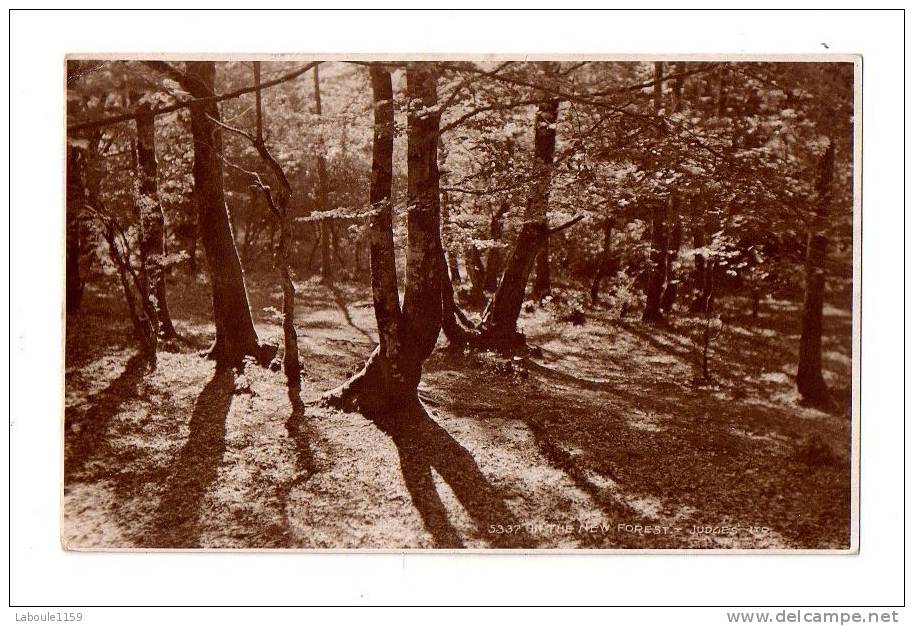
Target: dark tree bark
[(152, 223), (76, 198), (542, 280), (499, 324), (810, 382), (704, 301), (678, 85), (658, 87), (382, 256), (323, 194), (659, 236), (390, 378), (235, 334), (280, 204), (705, 268), (671, 288), (658, 263), (422, 300), (143, 328), (477, 273), (496, 257), (721, 96)]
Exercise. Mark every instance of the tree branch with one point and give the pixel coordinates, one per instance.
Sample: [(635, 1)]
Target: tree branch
[(126, 117), (574, 220)]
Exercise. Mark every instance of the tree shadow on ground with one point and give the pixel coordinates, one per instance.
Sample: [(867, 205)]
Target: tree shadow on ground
[(176, 522), (714, 454), (305, 464), (340, 301), (424, 445), (84, 436)]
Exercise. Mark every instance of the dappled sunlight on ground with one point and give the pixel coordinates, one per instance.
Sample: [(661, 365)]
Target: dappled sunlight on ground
[(599, 435)]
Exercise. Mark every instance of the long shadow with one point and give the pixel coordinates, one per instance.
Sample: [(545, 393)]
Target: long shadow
[(305, 465), (423, 445), (650, 338), (176, 523), (84, 437), (341, 304)]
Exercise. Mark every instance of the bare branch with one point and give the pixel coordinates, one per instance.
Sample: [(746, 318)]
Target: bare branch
[(574, 220)]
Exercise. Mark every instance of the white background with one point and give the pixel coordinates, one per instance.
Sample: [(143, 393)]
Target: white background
[(44, 575)]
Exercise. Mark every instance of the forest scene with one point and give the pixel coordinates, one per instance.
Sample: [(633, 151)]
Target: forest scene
[(524, 304)]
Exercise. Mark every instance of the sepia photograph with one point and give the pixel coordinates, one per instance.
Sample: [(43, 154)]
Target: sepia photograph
[(461, 303)]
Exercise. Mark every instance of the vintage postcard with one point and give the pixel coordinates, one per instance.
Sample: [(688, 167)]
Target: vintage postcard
[(462, 303)]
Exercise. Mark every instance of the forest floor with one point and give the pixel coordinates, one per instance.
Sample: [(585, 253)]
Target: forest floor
[(602, 440)]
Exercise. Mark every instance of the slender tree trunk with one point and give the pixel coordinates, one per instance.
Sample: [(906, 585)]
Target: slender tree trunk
[(675, 242), (453, 267), (659, 235), (603, 264), (314, 246), (499, 323), (141, 327), (76, 197), (671, 288), (280, 206), (446, 227), (323, 194), (152, 222), (335, 241), (700, 264), (290, 361), (477, 273), (810, 382), (658, 263), (143, 316), (252, 227), (390, 378), (235, 334)]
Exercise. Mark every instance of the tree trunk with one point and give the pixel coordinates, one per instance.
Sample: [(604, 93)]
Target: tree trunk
[(235, 334), (671, 288), (603, 264), (152, 223), (390, 378), (658, 264), (499, 324), (658, 87), (280, 206), (542, 282), (447, 239), (422, 297), (142, 317), (698, 271), (453, 267), (323, 194), (76, 197), (659, 236), (495, 259), (810, 382), (477, 273)]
